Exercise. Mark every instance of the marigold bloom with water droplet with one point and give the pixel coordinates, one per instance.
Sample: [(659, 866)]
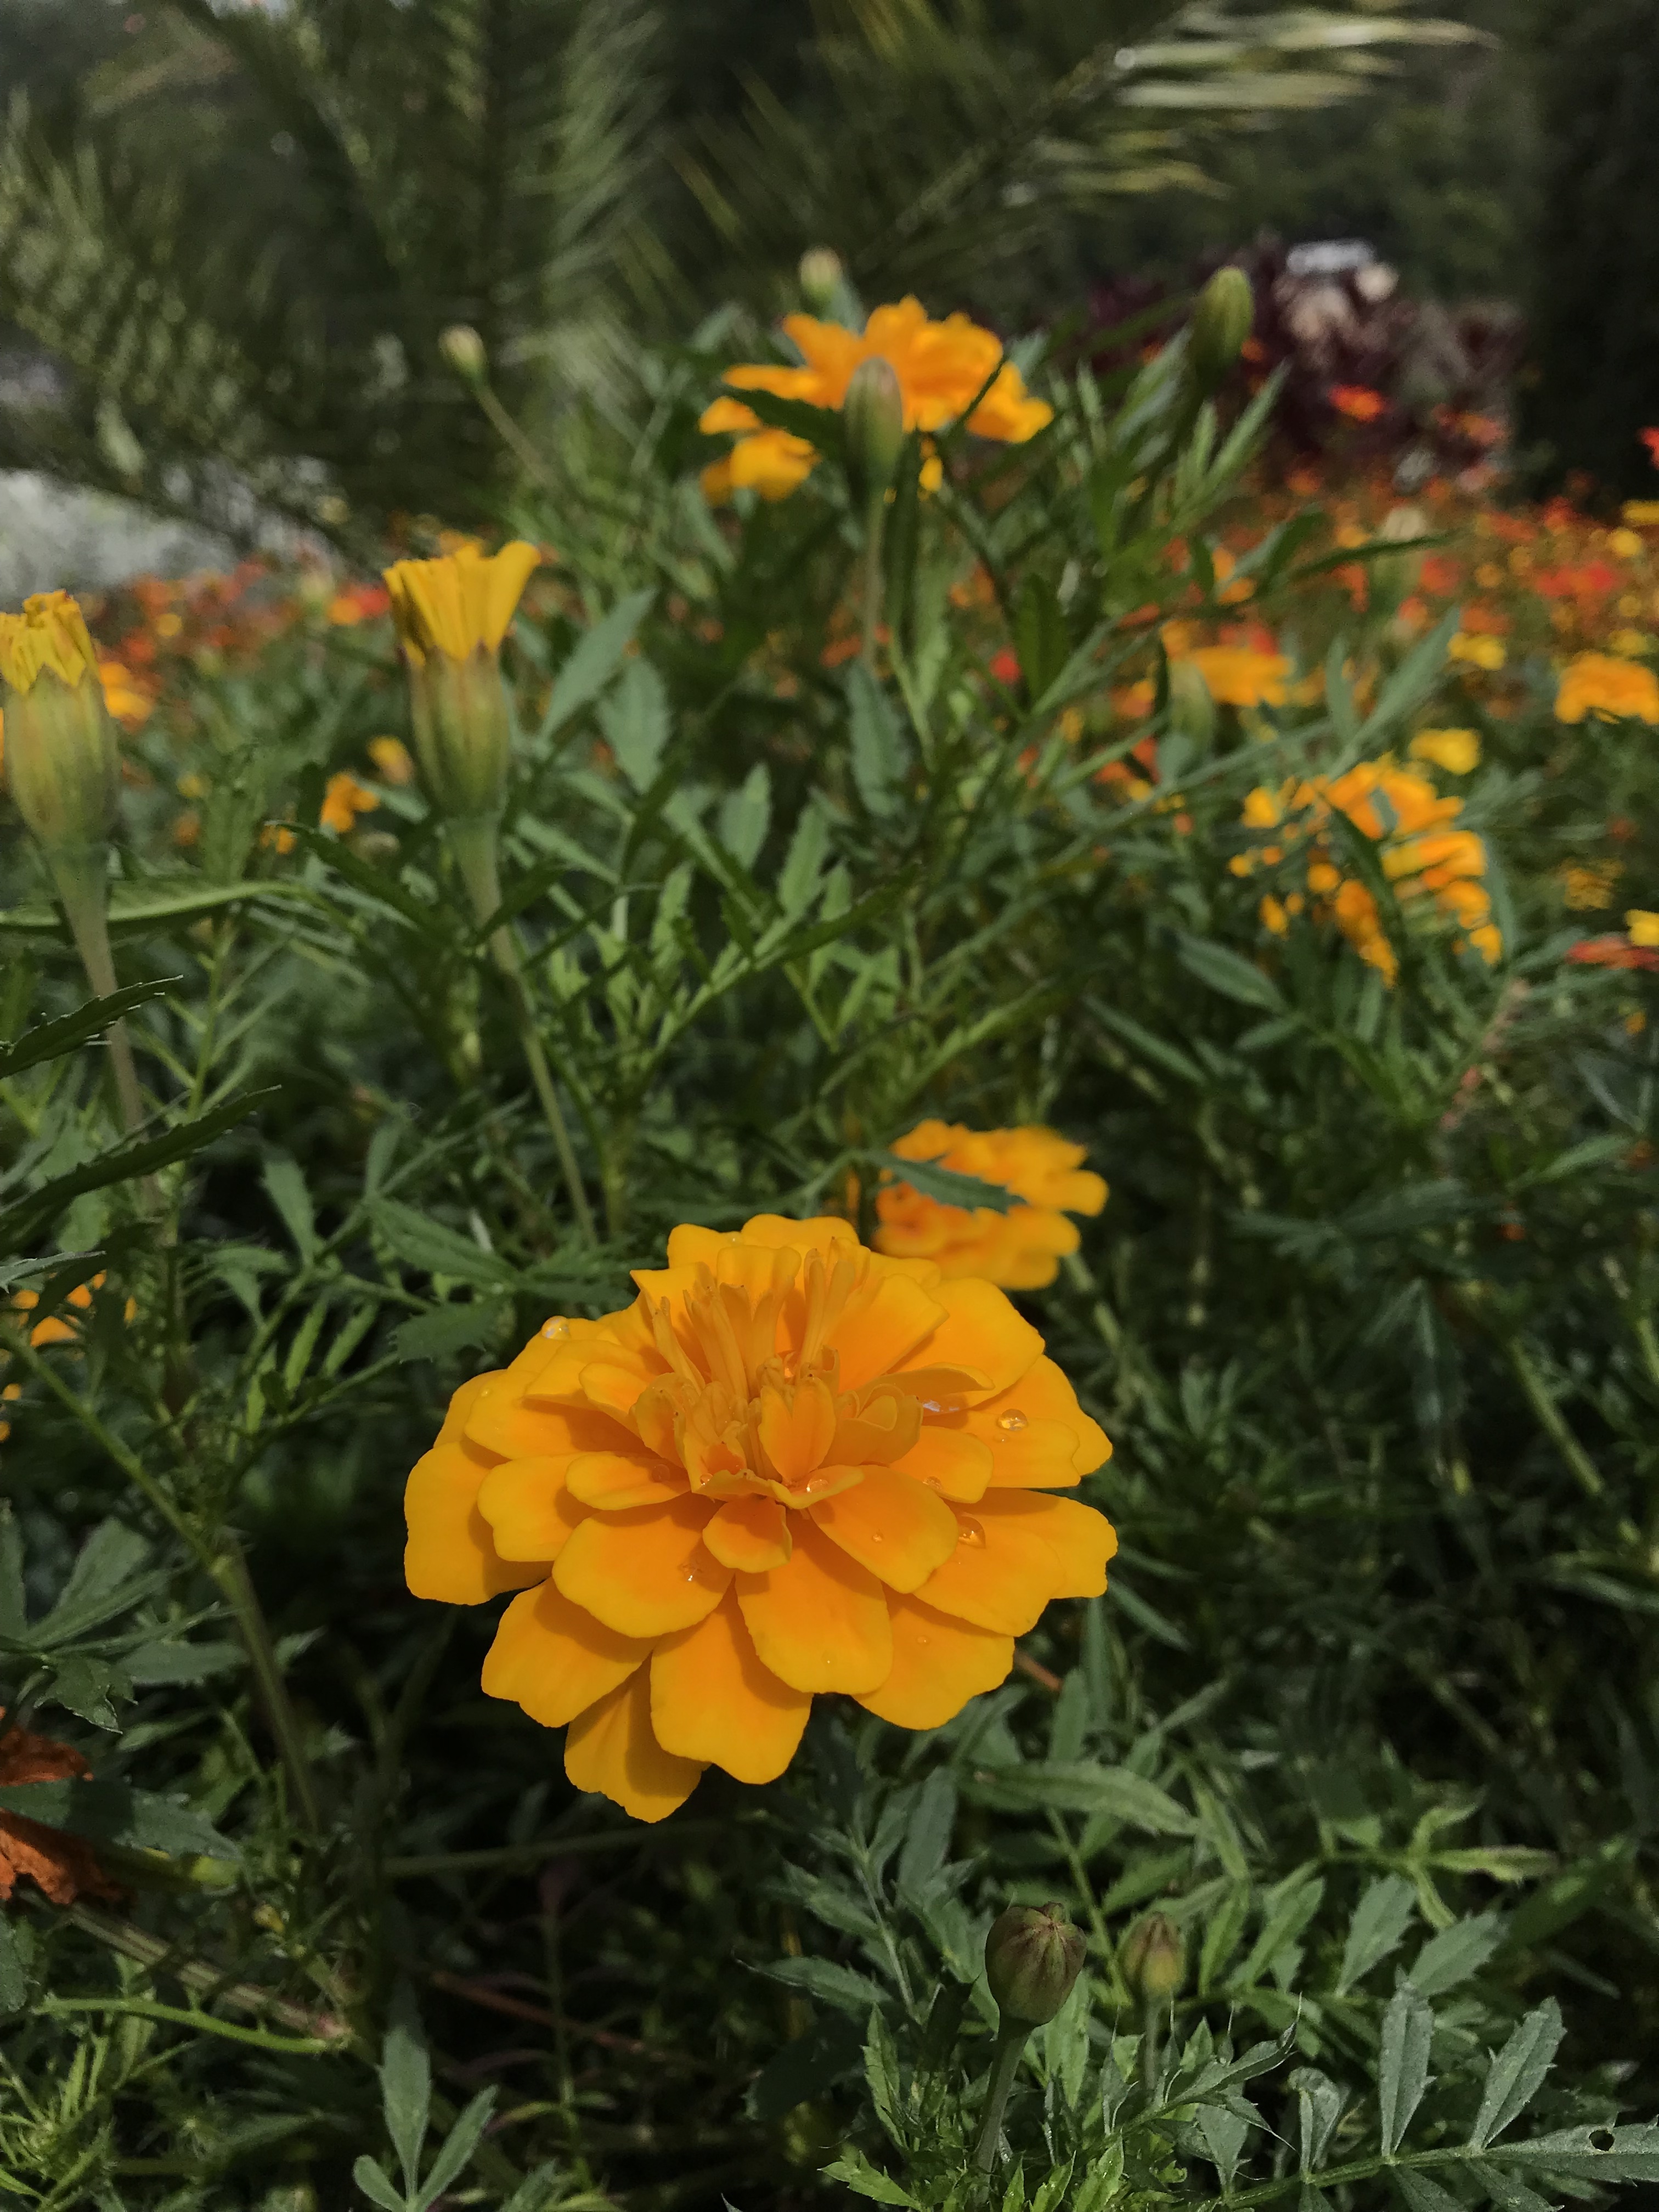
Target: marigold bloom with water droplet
[(792, 1467), (943, 370), (1018, 1250), (1602, 684)]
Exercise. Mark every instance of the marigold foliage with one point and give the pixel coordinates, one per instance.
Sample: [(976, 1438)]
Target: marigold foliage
[(1020, 1249), (792, 1467)]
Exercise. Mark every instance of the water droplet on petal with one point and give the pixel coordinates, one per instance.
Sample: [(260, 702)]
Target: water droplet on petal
[(556, 1329), (1012, 1421), (973, 1536)]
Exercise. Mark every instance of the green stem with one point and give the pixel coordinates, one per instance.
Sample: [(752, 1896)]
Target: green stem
[(473, 843), (1551, 1421), (1005, 2064), (874, 531), (79, 873), (208, 1983), (229, 1571), (1152, 2042)]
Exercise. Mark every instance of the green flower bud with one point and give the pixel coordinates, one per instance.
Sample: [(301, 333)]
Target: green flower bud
[(464, 349), (874, 412), (1221, 322), (820, 274), (1153, 1959), (61, 757), (1033, 1956)]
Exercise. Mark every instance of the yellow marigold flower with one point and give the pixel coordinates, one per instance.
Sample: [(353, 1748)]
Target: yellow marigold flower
[(1021, 1249), (343, 800), (394, 760), (1458, 751), (61, 757), (1642, 514), (1587, 888), (50, 633), (1624, 542), (792, 1467), (941, 367), (1238, 675), (451, 615), (1643, 927), (125, 702), (1600, 683), (1476, 650)]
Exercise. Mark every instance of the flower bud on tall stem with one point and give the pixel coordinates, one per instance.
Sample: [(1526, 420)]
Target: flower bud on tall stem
[(65, 769), (1032, 1960), (873, 414), (1153, 1962), (451, 616)]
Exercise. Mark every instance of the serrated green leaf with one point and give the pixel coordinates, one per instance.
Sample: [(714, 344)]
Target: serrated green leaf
[(1403, 2066), (593, 660), (111, 1813), (1517, 2072)]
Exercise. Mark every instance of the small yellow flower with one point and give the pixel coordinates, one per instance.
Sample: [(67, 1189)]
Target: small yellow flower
[(1238, 675), (1624, 542), (62, 762), (460, 604), (50, 633), (344, 799), (1642, 514), (1457, 751), (393, 759), (1600, 683), (1020, 1250), (1643, 927), (1588, 888), (451, 616), (1630, 644), (1476, 650)]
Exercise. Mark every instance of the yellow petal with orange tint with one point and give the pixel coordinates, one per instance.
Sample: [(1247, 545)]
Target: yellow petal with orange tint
[(1081, 1539), (712, 1699), (980, 1330), (613, 1482), (953, 1461), (610, 1748), (528, 1507), (834, 1237), (452, 1553), (820, 1623), (750, 1535), (938, 1663), (1000, 1576), (884, 1322), (895, 1526), (796, 1428), (645, 1573), (554, 1659), (501, 1421)]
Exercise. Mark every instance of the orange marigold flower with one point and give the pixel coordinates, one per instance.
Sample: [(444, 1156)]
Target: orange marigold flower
[(127, 704), (343, 800), (393, 757), (1457, 751), (1357, 401), (1600, 683), (792, 1467), (942, 368), (358, 603), (1021, 1249), (64, 1867), (1476, 651), (1241, 676)]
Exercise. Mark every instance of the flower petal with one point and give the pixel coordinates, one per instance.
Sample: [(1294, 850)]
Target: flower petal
[(613, 1482), (980, 1330), (452, 1553), (1082, 1540), (749, 1533), (938, 1663), (819, 1623), (892, 1524), (644, 1573), (554, 1659), (610, 1748), (884, 1322), (1001, 1574), (502, 1421), (1040, 1437), (946, 1456), (712, 1699), (528, 1509)]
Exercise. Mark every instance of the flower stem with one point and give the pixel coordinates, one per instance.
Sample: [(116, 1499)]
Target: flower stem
[(1151, 2051), (874, 531), (1551, 1419), (1005, 2064), (473, 843), (229, 1571), (78, 873)]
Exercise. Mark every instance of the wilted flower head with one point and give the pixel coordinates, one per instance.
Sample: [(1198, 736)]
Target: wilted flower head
[(1020, 1249), (942, 368), (790, 1466)]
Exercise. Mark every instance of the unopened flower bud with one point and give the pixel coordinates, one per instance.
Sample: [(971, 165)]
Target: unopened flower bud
[(464, 349), (820, 274), (874, 412), (62, 761), (1154, 1958), (1192, 708), (1033, 1956), (1397, 573), (1221, 322), (451, 616)]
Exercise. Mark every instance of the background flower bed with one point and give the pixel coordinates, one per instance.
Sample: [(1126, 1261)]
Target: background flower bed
[(1368, 1316)]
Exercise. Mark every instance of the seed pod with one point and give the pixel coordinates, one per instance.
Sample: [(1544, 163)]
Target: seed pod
[(1221, 322), (1033, 1956), (874, 412), (1154, 1958), (820, 274)]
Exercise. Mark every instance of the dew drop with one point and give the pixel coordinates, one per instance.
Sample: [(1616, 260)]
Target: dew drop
[(1012, 1421), (556, 1329), (931, 1482), (972, 1535)]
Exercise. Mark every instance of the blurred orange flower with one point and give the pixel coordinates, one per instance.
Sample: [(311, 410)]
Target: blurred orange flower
[(343, 800), (1021, 1249), (1357, 401), (1602, 684)]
